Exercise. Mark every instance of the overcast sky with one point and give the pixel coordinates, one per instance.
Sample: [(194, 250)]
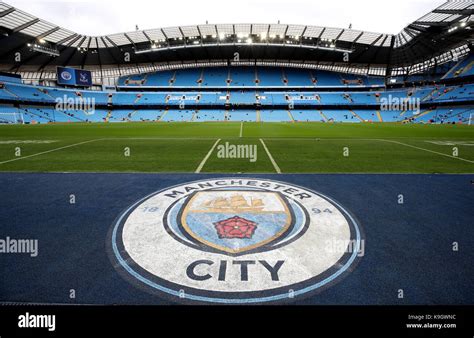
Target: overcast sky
[(101, 17)]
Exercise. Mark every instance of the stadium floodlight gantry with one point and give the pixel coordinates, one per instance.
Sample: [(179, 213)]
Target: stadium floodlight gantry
[(44, 45)]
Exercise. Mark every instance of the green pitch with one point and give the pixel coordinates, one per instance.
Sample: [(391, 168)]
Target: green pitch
[(194, 147)]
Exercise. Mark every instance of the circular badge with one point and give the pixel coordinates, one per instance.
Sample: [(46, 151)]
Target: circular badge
[(66, 75), (235, 241)]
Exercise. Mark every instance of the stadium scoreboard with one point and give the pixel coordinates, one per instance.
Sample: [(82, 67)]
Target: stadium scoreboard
[(74, 77)]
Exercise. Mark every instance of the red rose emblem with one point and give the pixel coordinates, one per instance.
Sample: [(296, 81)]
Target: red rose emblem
[(235, 227)]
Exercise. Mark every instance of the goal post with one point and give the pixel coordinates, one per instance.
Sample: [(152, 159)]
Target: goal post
[(11, 118)]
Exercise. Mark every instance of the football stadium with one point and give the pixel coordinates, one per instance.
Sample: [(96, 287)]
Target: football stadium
[(237, 163)]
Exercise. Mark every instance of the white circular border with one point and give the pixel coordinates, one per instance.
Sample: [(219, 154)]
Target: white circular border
[(282, 296)]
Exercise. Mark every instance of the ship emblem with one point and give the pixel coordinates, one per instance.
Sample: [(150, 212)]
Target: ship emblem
[(235, 221)]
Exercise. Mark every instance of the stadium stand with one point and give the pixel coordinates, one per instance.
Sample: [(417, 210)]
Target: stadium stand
[(242, 115), (307, 116), (275, 116), (119, 106), (465, 67), (217, 77), (186, 78), (243, 98), (340, 116), (178, 116), (210, 115), (242, 76), (269, 77), (247, 76)]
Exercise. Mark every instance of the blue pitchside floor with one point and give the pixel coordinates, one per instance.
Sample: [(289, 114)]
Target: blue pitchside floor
[(408, 246)]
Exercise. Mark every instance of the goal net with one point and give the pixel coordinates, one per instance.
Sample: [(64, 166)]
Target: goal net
[(11, 118)]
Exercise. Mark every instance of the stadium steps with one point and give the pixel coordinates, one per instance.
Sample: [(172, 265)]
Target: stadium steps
[(69, 116), (291, 116), (430, 95), (377, 99), (452, 69), (258, 117), (341, 79), (357, 116), (379, 116), (31, 116), (86, 113), (435, 91), (9, 92), (257, 80), (35, 114), (163, 115), (138, 98), (284, 78), (467, 68), (130, 116), (314, 79), (45, 92), (172, 80), (107, 117), (450, 89), (201, 78), (229, 78), (226, 116), (402, 113), (323, 116), (43, 116), (193, 117), (109, 99), (422, 114), (347, 97)]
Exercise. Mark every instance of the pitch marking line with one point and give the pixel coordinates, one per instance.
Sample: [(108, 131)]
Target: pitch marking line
[(27, 141), (49, 151), (431, 151), (275, 165), (203, 162), (241, 128)]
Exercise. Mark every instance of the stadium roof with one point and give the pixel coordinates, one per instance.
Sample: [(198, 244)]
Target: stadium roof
[(446, 27)]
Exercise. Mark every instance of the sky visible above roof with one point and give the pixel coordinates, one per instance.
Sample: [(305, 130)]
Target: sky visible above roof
[(103, 17)]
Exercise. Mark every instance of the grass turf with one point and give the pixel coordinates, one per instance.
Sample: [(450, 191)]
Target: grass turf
[(295, 147)]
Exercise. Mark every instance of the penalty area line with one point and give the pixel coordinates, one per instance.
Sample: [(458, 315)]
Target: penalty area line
[(428, 150), (49, 151), (275, 165), (203, 162)]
